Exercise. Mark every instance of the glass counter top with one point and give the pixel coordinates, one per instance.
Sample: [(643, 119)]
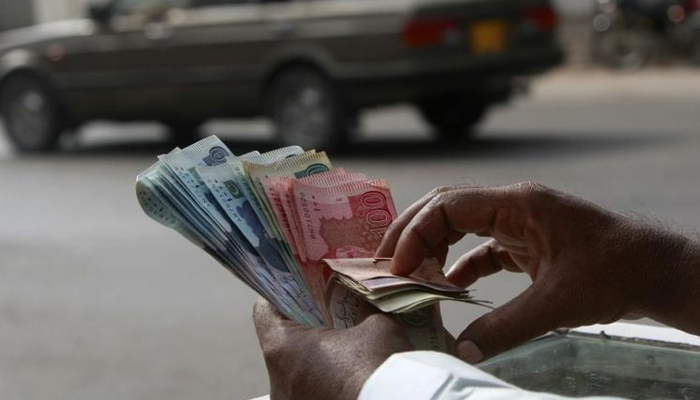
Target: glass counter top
[(575, 364)]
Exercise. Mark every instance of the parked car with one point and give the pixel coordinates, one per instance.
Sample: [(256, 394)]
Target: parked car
[(310, 65)]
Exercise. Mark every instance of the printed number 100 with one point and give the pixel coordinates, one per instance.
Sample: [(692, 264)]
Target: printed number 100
[(378, 217)]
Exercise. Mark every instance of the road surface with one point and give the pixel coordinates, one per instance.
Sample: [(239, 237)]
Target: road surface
[(99, 302)]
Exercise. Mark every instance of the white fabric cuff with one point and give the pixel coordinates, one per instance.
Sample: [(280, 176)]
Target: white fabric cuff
[(426, 375)]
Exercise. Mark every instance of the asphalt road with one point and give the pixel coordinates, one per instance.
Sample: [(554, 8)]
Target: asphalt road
[(99, 302)]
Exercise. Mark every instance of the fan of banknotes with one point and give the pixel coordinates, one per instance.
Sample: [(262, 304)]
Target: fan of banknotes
[(298, 231)]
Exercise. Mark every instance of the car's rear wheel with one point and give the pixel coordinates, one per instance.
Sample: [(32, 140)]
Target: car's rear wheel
[(453, 117), (308, 110), (31, 114)]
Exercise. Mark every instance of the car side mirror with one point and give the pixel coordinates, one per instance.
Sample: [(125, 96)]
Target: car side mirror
[(98, 13)]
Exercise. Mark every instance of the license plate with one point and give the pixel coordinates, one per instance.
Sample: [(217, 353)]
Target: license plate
[(487, 37)]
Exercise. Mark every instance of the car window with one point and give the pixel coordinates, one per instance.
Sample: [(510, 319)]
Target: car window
[(134, 7)]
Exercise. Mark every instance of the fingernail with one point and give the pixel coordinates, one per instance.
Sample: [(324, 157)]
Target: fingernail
[(469, 352)]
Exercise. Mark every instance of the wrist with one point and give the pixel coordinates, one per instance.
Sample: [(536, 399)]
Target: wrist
[(673, 299)]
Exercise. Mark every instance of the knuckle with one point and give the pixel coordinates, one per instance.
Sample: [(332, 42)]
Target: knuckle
[(441, 202), (441, 190), (440, 198), (531, 191), (529, 187)]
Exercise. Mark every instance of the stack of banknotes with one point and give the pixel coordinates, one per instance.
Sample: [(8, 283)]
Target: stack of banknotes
[(273, 218), (373, 281)]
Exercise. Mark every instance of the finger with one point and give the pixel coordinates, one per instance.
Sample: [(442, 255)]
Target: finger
[(440, 253), (450, 339), (391, 237), (484, 260), (473, 210), (533, 313), (381, 321), (386, 329)]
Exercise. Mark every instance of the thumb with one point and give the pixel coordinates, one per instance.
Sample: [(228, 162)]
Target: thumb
[(268, 320), (531, 314), (380, 322)]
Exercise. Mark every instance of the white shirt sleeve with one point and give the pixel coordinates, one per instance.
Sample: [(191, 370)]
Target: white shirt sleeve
[(427, 375)]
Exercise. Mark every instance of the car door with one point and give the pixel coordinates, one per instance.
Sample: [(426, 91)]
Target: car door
[(120, 70), (217, 51), (144, 33)]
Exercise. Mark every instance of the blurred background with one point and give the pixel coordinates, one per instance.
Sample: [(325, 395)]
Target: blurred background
[(598, 98)]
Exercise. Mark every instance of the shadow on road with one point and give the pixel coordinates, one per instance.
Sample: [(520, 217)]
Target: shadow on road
[(490, 145), (505, 145)]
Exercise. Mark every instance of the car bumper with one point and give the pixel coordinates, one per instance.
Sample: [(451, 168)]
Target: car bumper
[(401, 81)]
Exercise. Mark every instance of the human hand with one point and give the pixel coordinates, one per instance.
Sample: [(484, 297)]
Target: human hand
[(321, 363), (588, 265)]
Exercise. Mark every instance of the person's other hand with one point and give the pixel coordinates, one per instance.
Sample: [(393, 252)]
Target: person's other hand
[(321, 363), (588, 265)]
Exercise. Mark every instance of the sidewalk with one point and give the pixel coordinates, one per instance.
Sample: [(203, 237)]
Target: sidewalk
[(573, 83)]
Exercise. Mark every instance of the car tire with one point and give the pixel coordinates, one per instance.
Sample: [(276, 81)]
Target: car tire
[(183, 133), (308, 110), (31, 114), (453, 117)]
